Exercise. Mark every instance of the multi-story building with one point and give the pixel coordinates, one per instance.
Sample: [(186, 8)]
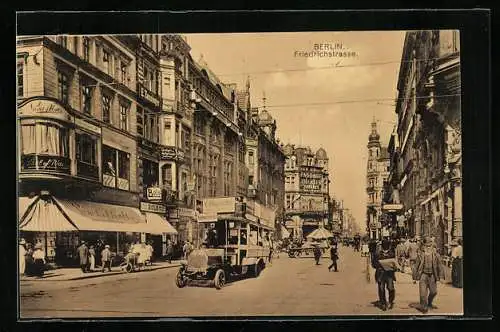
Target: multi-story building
[(377, 172), (78, 152), (427, 146), (306, 189)]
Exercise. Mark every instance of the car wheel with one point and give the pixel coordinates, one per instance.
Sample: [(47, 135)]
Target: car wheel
[(180, 280), (220, 279), (129, 268), (291, 254)]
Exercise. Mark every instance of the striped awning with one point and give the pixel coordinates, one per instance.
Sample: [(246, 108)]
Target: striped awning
[(24, 203), (158, 225), (319, 234), (92, 216), (45, 216)]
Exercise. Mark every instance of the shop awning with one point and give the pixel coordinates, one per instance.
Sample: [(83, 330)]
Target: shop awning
[(92, 216), (45, 216), (24, 203), (158, 225)]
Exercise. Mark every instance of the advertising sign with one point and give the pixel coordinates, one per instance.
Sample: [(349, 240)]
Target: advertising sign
[(44, 108), (155, 208), (169, 153), (218, 205), (154, 193)]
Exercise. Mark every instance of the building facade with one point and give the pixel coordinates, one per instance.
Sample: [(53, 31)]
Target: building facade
[(426, 153), (306, 189), (78, 152), (377, 172)]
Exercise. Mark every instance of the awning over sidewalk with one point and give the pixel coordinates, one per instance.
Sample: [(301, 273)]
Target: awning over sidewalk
[(158, 225), (24, 203), (92, 216), (45, 216)]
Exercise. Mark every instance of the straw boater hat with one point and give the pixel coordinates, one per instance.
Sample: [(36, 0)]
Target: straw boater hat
[(22, 241)]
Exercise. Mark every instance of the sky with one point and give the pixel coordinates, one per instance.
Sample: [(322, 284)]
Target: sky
[(316, 106)]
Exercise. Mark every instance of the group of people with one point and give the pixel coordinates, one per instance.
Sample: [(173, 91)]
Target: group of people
[(89, 256), (334, 255), (32, 259), (421, 258)]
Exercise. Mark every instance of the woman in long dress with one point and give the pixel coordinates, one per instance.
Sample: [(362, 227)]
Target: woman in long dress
[(39, 258), (22, 257), (92, 258)]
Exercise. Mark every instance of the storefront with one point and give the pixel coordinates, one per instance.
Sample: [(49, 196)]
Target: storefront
[(61, 224)]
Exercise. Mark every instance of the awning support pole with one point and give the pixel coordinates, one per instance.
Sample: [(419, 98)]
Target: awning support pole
[(117, 242)]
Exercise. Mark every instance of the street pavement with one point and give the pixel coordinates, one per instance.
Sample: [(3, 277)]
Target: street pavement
[(287, 287)]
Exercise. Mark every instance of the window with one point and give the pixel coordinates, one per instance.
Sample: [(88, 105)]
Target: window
[(20, 79), (76, 45), (250, 180), (106, 61), (123, 70), (167, 176), (106, 108), (124, 116), (140, 121), (86, 148), (116, 168), (62, 86), (86, 99), (44, 139), (86, 48), (251, 160)]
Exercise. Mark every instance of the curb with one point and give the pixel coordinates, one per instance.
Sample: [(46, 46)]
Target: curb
[(107, 274)]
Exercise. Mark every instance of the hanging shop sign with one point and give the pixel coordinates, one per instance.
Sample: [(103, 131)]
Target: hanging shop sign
[(44, 108), (154, 193), (88, 126), (150, 207), (168, 153)]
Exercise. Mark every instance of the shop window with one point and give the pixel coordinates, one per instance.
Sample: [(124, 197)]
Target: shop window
[(109, 166), (106, 108), (87, 93), (124, 110), (62, 87), (20, 79)]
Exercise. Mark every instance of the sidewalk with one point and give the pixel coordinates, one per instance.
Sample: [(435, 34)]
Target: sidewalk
[(64, 274)]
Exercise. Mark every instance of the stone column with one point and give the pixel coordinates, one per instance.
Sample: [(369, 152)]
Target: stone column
[(457, 208)]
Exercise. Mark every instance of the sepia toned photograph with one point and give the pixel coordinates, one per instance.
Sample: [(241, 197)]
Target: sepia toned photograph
[(239, 174)]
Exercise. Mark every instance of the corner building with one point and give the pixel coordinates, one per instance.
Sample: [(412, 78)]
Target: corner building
[(78, 152)]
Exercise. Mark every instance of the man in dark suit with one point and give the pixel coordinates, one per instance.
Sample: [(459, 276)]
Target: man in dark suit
[(83, 253)]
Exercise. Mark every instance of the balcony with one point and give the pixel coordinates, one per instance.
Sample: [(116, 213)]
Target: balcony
[(45, 163), (87, 170)]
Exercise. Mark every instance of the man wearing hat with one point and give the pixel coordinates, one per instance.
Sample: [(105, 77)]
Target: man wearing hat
[(106, 258), (83, 253), (428, 272), (385, 264), (22, 257)]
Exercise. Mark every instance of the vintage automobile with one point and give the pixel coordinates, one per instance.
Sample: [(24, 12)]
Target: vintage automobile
[(230, 255), (306, 249)]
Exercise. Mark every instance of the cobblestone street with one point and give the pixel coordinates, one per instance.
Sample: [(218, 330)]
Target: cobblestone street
[(309, 290)]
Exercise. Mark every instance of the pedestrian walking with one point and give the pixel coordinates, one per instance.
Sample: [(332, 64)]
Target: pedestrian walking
[(400, 253), (456, 263), (317, 253), (170, 252), (385, 273), (412, 254), (429, 271), (29, 270), (334, 256), (92, 258), (185, 249), (98, 249), (83, 253), (149, 251), (106, 258), (39, 260), (22, 257)]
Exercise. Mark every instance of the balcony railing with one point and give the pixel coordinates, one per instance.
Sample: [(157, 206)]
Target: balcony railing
[(87, 170), (37, 162)]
